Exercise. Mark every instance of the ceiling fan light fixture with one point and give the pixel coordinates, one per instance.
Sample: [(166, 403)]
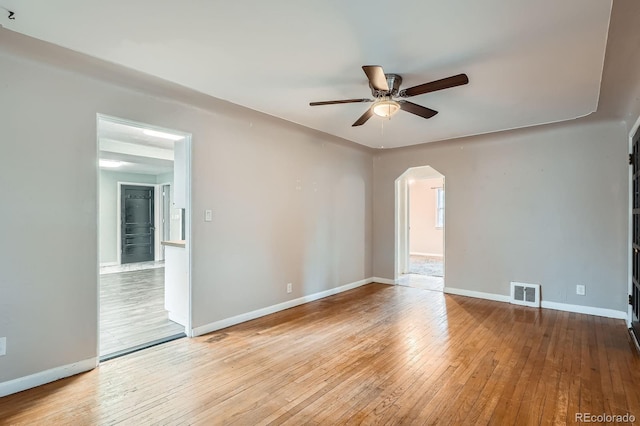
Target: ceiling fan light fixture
[(384, 87), (386, 108)]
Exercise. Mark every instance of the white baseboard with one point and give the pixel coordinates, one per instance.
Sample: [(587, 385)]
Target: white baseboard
[(383, 281), (477, 294), (228, 322), (105, 264), (48, 376), (589, 310)]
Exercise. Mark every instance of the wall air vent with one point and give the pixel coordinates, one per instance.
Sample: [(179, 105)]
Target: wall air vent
[(525, 294)]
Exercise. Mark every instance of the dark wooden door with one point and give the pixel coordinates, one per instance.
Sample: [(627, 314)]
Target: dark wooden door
[(635, 214), (137, 223)]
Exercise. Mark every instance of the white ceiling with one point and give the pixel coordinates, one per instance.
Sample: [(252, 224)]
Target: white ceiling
[(136, 151), (528, 62)]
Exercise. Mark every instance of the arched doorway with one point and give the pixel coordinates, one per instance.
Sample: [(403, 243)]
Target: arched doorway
[(420, 228)]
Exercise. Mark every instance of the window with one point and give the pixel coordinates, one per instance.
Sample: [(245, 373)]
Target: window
[(439, 208)]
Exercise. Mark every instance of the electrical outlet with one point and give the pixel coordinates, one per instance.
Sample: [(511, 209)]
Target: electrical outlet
[(3, 346), (580, 290), (289, 288)]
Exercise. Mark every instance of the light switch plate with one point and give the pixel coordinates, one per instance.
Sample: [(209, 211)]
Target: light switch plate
[(208, 215), (3, 346)]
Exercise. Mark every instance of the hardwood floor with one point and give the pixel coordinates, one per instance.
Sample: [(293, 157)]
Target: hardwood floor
[(132, 310), (375, 355)]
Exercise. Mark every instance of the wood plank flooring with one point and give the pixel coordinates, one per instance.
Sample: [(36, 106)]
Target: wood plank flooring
[(375, 355), (132, 310)]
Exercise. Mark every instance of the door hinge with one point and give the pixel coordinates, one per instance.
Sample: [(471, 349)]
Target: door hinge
[(631, 158), (631, 299)]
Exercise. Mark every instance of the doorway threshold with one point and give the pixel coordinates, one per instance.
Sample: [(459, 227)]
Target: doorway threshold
[(131, 267), (424, 282), (142, 346)]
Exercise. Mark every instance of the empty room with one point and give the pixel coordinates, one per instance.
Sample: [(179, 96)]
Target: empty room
[(414, 213)]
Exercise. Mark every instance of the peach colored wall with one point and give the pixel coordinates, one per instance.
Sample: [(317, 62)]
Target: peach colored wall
[(424, 237)]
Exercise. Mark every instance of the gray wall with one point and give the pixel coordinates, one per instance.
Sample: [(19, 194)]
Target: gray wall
[(290, 204), (108, 206), (288, 207), (546, 205)]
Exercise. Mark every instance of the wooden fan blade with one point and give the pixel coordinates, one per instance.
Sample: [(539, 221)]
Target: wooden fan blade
[(445, 83), (416, 109), (363, 118), (344, 101), (376, 77)]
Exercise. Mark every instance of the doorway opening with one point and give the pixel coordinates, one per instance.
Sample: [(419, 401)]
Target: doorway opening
[(420, 228), (144, 196)]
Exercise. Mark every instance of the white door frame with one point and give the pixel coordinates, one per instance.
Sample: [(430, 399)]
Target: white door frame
[(401, 255), (188, 209), (402, 229)]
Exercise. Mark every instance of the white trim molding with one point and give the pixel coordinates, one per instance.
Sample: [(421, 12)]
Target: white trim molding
[(581, 309), (545, 304), (47, 376), (228, 322), (383, 281), (477, 294)]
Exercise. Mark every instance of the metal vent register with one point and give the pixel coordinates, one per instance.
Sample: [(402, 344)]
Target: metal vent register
[(525, 294)]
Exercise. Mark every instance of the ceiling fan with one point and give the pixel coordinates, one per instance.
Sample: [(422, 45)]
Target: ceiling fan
[(385, 89)]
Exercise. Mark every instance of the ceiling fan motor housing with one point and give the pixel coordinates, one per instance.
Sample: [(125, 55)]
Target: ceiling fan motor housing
[(393, 81)]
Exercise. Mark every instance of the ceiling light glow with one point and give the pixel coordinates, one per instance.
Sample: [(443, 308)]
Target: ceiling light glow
[(110, 164), (162, 135), (386, 108)]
